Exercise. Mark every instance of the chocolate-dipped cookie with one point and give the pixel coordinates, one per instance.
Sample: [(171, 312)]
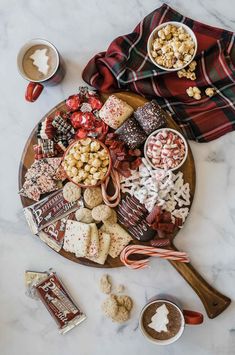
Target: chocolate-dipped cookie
[(142, 231), (131, 214), (150, 117), (131, 133)]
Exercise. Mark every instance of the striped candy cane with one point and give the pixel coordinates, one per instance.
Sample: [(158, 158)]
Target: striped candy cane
[(149, 251)]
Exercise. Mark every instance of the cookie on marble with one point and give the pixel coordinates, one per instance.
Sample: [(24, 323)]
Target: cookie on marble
[(105, 284), (110, 306)]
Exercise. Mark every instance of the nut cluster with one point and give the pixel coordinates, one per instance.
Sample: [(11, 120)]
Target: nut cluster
[(189, 72), (173, 47), (86, 162)]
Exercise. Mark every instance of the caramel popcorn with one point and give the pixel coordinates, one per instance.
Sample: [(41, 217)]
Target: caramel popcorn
[(173, 47), (194, 92), (210, 92), (86, 162), (189, 72)]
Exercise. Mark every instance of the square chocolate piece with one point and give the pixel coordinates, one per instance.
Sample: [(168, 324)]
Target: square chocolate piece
[(131, 133), (150, 117)]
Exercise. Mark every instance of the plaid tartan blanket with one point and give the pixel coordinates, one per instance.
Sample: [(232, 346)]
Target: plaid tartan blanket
[(126, 66)]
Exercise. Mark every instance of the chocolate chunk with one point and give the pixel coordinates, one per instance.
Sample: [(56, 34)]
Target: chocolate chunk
[(150, 117), (131, 133)]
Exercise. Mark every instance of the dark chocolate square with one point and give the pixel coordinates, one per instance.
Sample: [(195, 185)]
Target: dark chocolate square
[(131, 133), (150, 117)]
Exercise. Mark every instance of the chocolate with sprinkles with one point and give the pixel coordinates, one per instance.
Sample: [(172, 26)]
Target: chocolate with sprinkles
[(131, 133), (150, 117)]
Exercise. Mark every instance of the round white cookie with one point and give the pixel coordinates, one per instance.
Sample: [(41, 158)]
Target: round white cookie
[(84, 215), (71, 192)]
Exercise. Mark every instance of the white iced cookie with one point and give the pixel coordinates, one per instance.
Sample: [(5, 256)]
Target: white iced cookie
[(71, 192)]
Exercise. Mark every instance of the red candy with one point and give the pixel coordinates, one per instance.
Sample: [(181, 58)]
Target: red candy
[(73, 102), (161, 221), (95, 103), (76, 119), (166, 149)]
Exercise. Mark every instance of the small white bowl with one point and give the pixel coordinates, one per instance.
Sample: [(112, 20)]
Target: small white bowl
[(175, 132), (152, 37)]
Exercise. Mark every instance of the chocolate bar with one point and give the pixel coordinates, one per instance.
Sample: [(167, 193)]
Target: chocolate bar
[(131, 133), (53, 234), (150, 117), (59, 304), (50, 209), (32, 278)]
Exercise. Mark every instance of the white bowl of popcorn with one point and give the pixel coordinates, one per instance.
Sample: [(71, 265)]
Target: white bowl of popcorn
[(172, 46), (87, 162)]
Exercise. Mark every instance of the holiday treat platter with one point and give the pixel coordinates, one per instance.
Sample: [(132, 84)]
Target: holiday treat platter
[(162, 210)]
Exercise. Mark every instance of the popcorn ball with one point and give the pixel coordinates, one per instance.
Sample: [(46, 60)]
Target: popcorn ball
[(86, 162), (173, 47)]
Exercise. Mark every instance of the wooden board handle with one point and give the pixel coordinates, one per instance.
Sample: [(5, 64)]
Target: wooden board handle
[(213, 301)]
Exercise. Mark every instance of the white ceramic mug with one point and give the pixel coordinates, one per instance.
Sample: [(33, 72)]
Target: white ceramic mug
[(187, 317), (35, 87)]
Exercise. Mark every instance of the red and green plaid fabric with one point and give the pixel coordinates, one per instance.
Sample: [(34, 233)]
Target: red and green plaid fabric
[(125, 65)]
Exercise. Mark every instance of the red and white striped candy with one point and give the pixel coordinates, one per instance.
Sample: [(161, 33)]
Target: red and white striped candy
[(149, 251), (169, 147)]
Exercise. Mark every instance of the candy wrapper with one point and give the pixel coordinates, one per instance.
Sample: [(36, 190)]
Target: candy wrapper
[(57, 301), (49, 210), (32, 278), (53, 235)]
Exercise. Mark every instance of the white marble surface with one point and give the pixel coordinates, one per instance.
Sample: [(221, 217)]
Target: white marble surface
[(79, 29)]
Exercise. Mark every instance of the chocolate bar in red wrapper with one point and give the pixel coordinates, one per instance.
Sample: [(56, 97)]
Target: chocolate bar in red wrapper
[(50, 209), (53, 234), (58, 302)]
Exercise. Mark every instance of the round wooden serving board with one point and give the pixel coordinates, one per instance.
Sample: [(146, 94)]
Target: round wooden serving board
[(214, 302), (27, 160)]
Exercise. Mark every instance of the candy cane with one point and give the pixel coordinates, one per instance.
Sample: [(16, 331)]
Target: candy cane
[(149, 251), (112, 201)]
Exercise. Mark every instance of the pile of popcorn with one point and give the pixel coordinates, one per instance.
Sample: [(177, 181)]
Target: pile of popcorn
[(86, 162), (173, 47)]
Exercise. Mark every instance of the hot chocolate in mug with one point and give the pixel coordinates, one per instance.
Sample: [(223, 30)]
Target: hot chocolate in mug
[(40, 63), (162, 321)]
